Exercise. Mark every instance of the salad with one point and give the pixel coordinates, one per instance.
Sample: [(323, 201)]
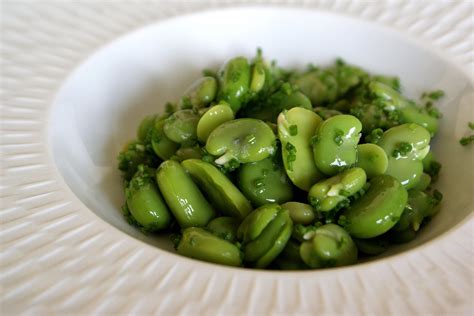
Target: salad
[(264, 167)]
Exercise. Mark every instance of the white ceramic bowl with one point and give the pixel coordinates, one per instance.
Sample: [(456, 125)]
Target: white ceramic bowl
[(100, 106), (64, 247)]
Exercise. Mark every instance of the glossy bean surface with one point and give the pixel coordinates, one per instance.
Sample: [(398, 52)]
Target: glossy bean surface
[(182, 195), (145, 202), (265, 181), (335, 143), (324, 196), (243, 140), (329, 246), (200, 244), (221, 192), (296, 127), (378, 210)]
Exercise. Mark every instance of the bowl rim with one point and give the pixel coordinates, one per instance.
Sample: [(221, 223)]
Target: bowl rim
[(43, 135), (408, 37)]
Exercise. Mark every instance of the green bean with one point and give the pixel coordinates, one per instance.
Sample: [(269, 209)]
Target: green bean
[(202, 92), (200, 244), (214, 117), (295, 129), (329, 246), (406, 145), (224, 227), (378, 210), (234, 81), (181, 126), (372, 159), (300, 213), (183, 197), (264, 234), (218, 188), (265, 182), (335, 143), (243, 140), (327, 194), (145, 203)]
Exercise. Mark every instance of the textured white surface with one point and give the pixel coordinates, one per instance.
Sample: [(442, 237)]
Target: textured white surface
[(58, 257)]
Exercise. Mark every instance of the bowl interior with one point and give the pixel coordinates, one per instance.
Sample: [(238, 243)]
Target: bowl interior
[(101, 104)]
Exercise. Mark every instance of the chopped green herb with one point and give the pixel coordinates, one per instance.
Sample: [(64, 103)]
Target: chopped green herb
[(466, 140), (291, 155), (293, 130)]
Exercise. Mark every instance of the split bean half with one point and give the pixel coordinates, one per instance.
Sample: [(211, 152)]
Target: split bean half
[(335, 143), (378, 210), (222, 193), (296, 127), (182, 195), (243, 140)]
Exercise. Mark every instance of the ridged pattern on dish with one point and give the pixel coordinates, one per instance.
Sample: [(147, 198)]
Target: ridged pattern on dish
[(58, 257)]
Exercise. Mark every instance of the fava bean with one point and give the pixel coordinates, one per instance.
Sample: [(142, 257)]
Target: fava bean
[(420, 205), (184, 153), (406, 145), (224, 227), (423, 183), (161, 144), (295, 129), (134, 154), (199, 244), (183, 197), (329, 246), (264, 233), (234, 81), (258, 77), (326, 195), (145, 125), (265, 182), (145, 203), (283, 99), (410, 113), (289, 258), (335, 143), (181, 126), (214, 117), (218, 188), (319, 86), (372, 246), (326, 113), (372, 158), (243, 140), (300, 213), (202, 92), (378, 210)]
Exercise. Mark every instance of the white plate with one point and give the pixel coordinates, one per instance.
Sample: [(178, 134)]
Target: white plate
[(59, 256)]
